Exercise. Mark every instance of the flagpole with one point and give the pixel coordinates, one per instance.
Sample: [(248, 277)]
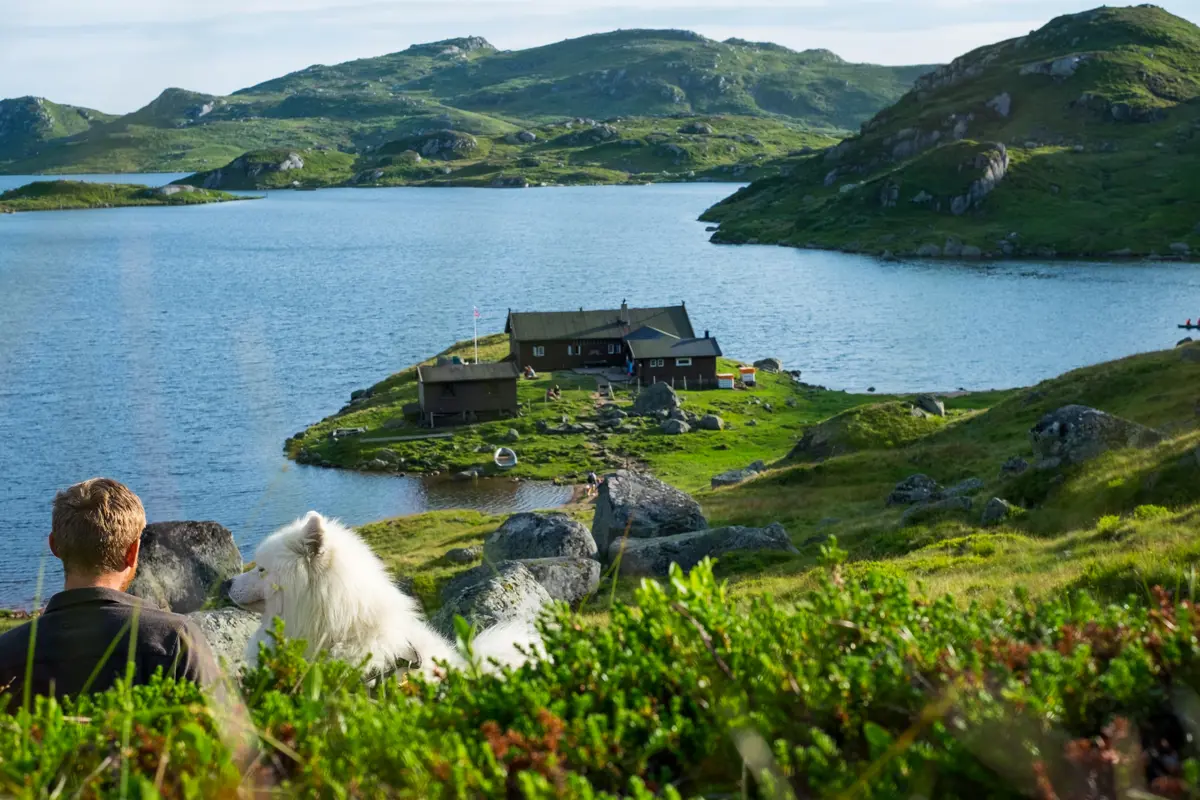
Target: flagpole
[(476, 320)]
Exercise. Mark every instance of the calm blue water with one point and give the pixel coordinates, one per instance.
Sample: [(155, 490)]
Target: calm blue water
[(176, 349)]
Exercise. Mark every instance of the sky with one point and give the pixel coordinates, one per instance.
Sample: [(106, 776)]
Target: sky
[(117, 55)]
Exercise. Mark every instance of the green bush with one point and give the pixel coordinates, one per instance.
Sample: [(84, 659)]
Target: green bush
[(860, 688)]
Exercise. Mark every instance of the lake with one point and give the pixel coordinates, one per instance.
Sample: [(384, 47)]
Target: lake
[(176, 348)]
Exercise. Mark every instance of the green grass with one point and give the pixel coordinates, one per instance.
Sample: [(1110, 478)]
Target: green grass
[(648, 150), (68, 195), (689, 461), (1080, 183)]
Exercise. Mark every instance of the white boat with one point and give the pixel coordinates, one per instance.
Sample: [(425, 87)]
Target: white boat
[(505, 458)]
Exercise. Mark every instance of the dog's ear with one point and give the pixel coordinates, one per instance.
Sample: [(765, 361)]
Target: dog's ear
[(314, 534)]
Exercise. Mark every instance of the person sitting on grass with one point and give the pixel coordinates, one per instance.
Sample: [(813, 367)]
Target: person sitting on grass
[(81, 643)]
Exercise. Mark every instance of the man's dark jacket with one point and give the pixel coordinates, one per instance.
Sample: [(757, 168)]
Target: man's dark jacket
[(78, 629)]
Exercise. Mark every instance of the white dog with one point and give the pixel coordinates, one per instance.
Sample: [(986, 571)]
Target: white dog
[(329, 589)]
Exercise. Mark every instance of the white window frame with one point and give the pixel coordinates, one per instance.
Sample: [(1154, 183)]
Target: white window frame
[(613, 348), (655, 363), (539, 351), (683, 362), (574, 349)]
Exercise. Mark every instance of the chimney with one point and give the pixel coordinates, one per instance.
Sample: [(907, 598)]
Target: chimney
[(706, 336)]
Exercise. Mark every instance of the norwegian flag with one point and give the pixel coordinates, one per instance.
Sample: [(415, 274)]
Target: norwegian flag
[(476, 312)]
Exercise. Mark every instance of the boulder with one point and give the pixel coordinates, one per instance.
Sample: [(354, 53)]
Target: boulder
[(931, 405), (567, 579), (654, 398), (674, 427), (1074, 434), (490, 594), (462, 555), (915, 489), (1014, 466), (923, 512), (654, 557), (512, 435), (996, 511), (736, 476), (1001, 104), (964, 488), (527, 137), (769, 365), (646, 506), (539, 535), (228, 631), (711, 422), (929, 251), (699, 128), (183, 563)]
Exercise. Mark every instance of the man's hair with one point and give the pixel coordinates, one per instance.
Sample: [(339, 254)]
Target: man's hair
[(94, 524)]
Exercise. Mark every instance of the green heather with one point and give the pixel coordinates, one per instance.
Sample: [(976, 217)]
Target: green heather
[(71, 195), (28, 124), (1096, 118), (641, 150), (469, 86)]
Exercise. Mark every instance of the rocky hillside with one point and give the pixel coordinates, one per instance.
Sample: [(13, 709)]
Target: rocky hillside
[(28, 124), (578, 151), (1080, 139), (468, 85)]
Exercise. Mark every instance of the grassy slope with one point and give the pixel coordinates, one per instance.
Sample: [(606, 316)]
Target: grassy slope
[(688, 461), (69, 195), (650, 149), (361, 104), (30, 123), (1080, 183), (1120, 523)]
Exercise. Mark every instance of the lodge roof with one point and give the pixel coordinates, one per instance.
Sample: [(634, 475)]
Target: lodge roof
[(603, 324), (652, 343), (461, 373)]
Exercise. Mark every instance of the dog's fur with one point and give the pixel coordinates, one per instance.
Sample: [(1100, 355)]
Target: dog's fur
[(329, 589)]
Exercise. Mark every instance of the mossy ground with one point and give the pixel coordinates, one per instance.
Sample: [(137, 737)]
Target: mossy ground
[(67, 195)]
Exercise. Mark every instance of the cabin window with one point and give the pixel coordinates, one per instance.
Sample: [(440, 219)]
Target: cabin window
[(683, 362), (574, 350), (656, 362), (614, 348), (538, 351)]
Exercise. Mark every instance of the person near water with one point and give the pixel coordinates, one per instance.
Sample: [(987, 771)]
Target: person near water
[(593, 483)]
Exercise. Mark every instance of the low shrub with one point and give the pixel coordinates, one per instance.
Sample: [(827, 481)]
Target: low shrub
[(862, 688)]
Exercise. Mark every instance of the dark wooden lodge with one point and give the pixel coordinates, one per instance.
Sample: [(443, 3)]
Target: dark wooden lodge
[(562, 340), (683, 362), (454, 393)]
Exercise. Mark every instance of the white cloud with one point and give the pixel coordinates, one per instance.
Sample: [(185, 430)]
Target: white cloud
[(117, 55)]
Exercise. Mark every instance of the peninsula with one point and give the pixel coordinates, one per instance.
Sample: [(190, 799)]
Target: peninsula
[(76, 195)]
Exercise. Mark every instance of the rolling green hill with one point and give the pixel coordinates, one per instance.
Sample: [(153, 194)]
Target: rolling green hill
[(28, 124), (1081, 139), (638, 149), (78, 195), (468, 85)]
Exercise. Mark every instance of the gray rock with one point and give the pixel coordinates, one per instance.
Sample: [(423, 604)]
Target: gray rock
[(462, 555), (963, 488), (227, 631), (1074, 434), (527, 137), (646, 506), (567, 579), (1183, 341), (929, 251), (769, 365), (996, 511), (701, 128), (655, 556), (923, 512), (971, 251), (1001, 104), (539, 535), (915, 489), (931, 405), (711, 422), (1014, 466), (654, 398), (1181, 248), (736, 476), (512, 435), (182, 564), (674, 427), (490, 594)]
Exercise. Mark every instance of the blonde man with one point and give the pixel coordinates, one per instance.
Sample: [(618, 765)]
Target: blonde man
[(92, 632)]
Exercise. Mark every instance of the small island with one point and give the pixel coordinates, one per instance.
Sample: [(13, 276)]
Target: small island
[(76, 195)]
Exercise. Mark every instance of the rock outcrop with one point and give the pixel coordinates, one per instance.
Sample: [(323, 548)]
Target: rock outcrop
[(539, 535), (655, 398), (182, 564), (490, 594), (653, 557), (915, 489), (645, 506), (769, 365), (1074, 434), (567, 579), (736, 476), (228, 631)]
